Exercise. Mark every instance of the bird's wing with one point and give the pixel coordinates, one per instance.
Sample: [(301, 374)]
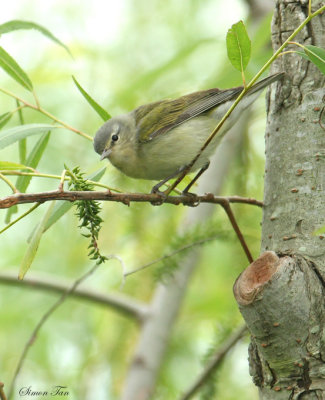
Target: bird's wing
[(158, 118)]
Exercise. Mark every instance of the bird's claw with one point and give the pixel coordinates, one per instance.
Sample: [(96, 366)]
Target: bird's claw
[(161, 196), (192, 196)]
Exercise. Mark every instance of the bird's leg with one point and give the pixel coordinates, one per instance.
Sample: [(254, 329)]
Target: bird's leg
[(156, 188), (188, 187)]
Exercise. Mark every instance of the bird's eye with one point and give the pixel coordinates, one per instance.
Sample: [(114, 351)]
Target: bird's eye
[(114, 138)]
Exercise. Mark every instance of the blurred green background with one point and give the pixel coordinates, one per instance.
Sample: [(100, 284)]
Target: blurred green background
[(125, 53)]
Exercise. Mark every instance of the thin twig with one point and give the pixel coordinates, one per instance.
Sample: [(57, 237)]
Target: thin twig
[(44, 112), (215, 362), (61, 185), (232, 219), (173, 253), (36, 100), (125, 198), (129, 307), (42, 321), (7, 181), (18, 109), (52, 176), (20, 217), (243, 92), (2, 393), (65, 125)]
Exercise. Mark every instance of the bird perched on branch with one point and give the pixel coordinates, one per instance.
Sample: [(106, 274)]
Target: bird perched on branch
[(159, 140)]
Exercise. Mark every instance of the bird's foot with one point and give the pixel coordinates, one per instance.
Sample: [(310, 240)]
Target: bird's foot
[(161, 196), (193, 197)]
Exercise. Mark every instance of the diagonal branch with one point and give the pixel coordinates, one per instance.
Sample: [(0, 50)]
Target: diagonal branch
[(215, 362), (38, 108), (43, 320), (232, 219), (173, 253), (2, 393)]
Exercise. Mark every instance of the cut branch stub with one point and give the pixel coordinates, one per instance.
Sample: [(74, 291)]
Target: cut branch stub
[(276, 296), (251, 281)]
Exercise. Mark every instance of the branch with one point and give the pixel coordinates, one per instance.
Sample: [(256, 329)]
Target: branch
[(173, 253), (245, 89), (10, 224), (125, 198), (215, 362), (2, 393), (44, 318), (232, 219), (44, 112), (127, 306)]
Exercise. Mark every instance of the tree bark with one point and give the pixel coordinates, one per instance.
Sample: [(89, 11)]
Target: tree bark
[(281, 295)]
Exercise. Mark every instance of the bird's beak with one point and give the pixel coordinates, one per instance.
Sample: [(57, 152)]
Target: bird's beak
[(105, 153)]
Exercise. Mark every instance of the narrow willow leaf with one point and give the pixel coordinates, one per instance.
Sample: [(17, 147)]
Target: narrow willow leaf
[(8, 165), (8, 64), (58, 212), (22, 150), (15, 25), (32, 161), (12, 135), (238, 46), (99, 109), (22, 145), (4, 118), (34, 243), (64, 207), (317, 56), (302, 54)]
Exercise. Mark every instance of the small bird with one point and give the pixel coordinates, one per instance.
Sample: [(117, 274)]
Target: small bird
[(157, 141)]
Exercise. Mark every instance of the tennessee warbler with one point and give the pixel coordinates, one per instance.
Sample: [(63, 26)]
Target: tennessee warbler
[(158, 140)]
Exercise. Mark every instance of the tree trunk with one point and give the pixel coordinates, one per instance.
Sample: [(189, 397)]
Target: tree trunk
[(281, 295)]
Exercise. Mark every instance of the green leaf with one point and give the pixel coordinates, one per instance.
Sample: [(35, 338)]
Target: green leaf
[(4, 118), (58, 212), (8, 64), (316, 55), (15, 25), (12, 135), (302, 54), (8, 165), (32, 161), (64, 207), (22, 145), (99, 109), (34, 243), (238, 46)]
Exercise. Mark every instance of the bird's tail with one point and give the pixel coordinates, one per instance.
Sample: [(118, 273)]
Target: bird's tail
[(265, 82)]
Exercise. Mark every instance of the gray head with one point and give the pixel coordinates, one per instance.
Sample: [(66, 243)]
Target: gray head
[(115, 135)]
